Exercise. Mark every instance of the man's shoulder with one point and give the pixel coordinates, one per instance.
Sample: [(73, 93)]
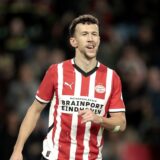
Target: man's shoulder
[(105, 67), (67, 61), (60, 63)]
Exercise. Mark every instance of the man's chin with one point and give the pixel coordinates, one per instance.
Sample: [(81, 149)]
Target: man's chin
[(91, 55)]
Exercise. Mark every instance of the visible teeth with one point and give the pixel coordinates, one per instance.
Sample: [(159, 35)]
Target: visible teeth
[(91, 47)]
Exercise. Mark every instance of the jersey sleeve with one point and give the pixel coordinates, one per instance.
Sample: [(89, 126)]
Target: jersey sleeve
[(116, 101), (45, 91)]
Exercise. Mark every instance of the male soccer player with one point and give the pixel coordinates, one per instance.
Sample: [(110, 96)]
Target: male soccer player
[(81, 91)]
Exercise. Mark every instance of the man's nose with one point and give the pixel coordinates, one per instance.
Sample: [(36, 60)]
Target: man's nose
[(90, 37)]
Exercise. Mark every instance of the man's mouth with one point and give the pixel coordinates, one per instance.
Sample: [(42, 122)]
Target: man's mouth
[(90, 46)]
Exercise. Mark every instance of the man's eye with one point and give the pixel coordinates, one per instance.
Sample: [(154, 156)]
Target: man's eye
[(94, 34)]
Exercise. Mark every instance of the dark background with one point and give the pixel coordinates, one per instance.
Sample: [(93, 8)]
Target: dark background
[(34, 34)]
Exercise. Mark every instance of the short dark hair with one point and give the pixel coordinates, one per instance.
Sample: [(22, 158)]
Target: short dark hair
[(86, 18)]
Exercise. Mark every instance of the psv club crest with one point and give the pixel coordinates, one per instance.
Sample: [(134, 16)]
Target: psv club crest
[(100, 88)]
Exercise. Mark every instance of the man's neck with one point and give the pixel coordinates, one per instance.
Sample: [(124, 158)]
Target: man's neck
[(85, 64)]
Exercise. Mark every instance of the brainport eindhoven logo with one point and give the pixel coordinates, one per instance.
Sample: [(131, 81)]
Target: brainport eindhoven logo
[(100, 88), (72, 104)]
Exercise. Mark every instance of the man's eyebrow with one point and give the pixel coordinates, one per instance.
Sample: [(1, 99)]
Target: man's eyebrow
[(94, 32), (89, 31), (84, 32)]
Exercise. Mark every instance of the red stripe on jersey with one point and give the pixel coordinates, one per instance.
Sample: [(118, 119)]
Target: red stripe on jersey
[(93, 141), (64, 143), (80, 138), (85, 85)]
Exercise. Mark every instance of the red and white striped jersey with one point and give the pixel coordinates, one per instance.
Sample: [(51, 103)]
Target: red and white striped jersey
[(70, 89)]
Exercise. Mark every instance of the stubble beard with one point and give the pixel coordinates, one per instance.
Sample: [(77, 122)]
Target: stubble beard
[(90, 55)]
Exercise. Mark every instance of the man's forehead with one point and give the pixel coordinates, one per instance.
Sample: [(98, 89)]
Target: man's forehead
[(87, 27)]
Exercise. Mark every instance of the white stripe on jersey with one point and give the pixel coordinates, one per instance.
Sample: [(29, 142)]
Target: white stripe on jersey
[(99, 157), (77, 92), (99, 139), (41, 100), (117, 110), (58, 118), (88, 124), (108, 92)]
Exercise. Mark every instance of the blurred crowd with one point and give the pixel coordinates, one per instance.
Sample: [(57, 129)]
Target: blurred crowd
[(34, 35)]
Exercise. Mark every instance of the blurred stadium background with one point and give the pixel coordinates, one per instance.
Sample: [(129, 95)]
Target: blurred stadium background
[(34, 34)]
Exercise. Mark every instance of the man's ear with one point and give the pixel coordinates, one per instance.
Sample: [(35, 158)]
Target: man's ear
[(73, 42)]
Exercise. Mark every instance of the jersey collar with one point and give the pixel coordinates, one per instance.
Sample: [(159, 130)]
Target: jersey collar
[(83, 72)]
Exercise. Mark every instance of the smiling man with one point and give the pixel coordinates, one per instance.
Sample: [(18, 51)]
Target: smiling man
[(81, 91)]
